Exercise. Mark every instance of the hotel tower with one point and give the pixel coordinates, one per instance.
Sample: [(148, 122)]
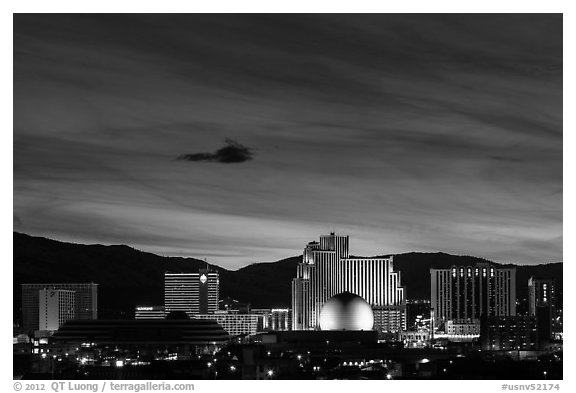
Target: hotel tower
[(465, 293), (327, 270), (193, 293)]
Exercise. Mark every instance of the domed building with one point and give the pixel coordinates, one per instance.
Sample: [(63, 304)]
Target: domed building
[(346, 311), (327, 269)]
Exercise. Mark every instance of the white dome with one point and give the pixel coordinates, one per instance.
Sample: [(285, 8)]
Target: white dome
[(346, 311)]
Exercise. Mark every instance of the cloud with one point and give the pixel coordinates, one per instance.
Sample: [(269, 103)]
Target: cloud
[(17, 222), (233, 152), (408, 132)]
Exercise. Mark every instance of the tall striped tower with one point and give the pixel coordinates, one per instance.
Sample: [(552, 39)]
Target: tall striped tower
[(327, 270)]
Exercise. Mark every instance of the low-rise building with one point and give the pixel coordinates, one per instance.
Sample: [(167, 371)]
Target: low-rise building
[(517, 332), (149, 312), (236, 324)]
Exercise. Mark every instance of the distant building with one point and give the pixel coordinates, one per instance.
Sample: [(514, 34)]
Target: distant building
[(467, 293), (229, 304), (235, 324), (264, 315), (280, 319), (55, 307), (133, 338), (389, 319), (149, 312), (508, 333), (277, 319), (85, 302), (459, 331), (327, 270), (542, 305), (415, 338), (463, 328), (193, 293), (417, 311), (541, 293)]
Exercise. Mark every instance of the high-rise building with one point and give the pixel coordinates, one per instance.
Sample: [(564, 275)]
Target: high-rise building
[(193, 293), (542, 305), (327, 270), (85, 302), (55, 306), (465, 293)]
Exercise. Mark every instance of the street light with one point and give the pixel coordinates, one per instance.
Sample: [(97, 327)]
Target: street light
[(545, 373), (270, 373)]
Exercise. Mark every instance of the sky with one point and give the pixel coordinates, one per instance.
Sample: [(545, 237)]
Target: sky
[(240, 138)]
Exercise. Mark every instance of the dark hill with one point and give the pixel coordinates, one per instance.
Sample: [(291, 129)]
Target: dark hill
[(128, 277)]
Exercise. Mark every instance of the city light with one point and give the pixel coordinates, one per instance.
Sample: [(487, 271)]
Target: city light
[(119, 363), (270, 373), (232, 368)]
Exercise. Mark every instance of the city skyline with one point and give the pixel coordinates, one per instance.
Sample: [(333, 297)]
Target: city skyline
[(239, 137), (471, 330)]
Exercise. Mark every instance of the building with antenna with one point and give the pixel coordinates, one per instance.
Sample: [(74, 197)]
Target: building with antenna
[(192, 293)]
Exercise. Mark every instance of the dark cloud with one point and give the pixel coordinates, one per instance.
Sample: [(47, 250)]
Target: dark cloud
[(233, 152)]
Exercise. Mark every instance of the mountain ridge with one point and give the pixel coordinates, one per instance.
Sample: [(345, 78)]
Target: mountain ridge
[(264, 284)]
